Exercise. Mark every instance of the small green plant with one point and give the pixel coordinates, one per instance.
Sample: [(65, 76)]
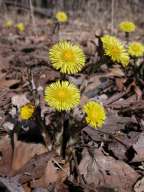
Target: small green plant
[(62, 96), (127, 27), (61, 17), (114, 49)]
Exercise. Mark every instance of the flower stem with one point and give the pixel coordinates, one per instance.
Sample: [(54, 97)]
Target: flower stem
[(56, 28), (65, 133), (127, 37)]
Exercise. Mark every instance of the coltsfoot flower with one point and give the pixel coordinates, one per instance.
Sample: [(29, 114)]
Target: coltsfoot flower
[(125, 60), (26, 111), (8, 23), (136, 49), (20, 27), (115, 49), (62, 95), (112, 47), (95, 114), (61, 17), (67, 57), (127, 26)]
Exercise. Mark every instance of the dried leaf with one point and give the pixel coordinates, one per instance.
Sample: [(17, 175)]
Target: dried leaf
[(4, 84), (6, 156), (139, 186), (139, 148), (10, 185), (101, 170), (24, 152)]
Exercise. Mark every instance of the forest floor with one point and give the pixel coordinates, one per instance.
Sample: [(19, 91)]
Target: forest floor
[(110, 160)]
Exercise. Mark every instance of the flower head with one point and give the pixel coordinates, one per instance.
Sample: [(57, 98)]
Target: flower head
[(67, 57), (20, 27), (8, 23), (115, 49), (26, 111), (125, 60), (62, 95), (136, 49), (95, 114), (127, 26), (61, 17)]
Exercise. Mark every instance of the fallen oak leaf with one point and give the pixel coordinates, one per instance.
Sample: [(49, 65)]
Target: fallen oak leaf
[(35, 168), (23, 153), (105, 171)]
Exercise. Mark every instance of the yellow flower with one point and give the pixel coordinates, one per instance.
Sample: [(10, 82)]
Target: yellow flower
[(67, 57), (115, 49), (62, 95), (112, 47), (8, 23), (26, 111), (20, 27), (125, 60), (127, 26), (95, 114), (136, 49), (61, 16)]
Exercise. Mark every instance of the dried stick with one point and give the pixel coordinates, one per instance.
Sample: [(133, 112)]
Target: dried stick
[(4, 7), (32, 17), (113, 137), (112, 16)]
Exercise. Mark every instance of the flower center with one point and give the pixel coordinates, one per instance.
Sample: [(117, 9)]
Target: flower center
[(61, 17), (115, 50), (136, 49), (93, 114), (61, 94), (68, 55)]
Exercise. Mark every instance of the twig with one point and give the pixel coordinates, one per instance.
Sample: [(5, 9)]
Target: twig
[(81, 179), (5, 10), (109, 134), (116, 97), (118, 140), (112, 16), (58, 165), (33, 18), (32, 84)]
